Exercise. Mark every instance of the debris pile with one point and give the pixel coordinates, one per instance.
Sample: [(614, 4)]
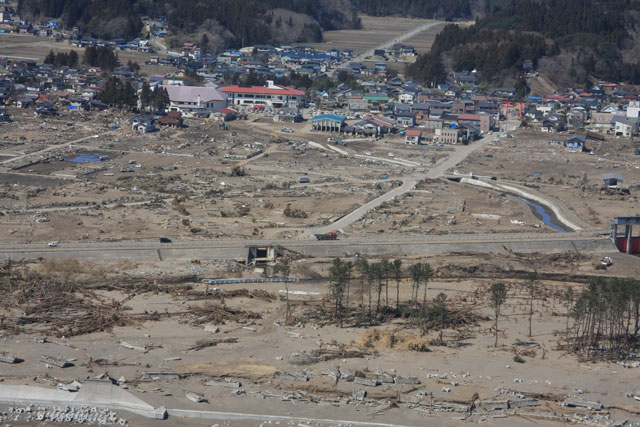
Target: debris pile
[(44, 304), (66, 414), (216, 313), (328, 352)]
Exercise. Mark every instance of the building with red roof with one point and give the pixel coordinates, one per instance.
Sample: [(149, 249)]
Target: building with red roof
[(413, 136), (271, 96)]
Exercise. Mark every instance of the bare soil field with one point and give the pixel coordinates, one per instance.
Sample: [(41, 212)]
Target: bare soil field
[(163, 183), (572, 180), (202, 182), (443, 207), (231, 346)]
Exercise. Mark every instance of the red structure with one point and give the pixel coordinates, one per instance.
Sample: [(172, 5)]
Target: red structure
[(626, 242), (509, 106)]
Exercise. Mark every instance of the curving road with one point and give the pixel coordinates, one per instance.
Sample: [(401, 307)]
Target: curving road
[(407, 185)]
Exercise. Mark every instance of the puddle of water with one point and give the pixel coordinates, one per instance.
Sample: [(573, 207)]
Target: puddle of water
[(86, 158), (542, 214)]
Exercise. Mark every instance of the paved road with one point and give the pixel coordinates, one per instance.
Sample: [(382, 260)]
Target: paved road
[(407, 185), (51, 148), (393, 246), (399, 240)]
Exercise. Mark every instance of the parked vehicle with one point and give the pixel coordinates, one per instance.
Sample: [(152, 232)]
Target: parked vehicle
[(332, 235), (165, 240)]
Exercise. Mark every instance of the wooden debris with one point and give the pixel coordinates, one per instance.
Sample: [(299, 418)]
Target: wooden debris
[(133, 347), (200, 344)]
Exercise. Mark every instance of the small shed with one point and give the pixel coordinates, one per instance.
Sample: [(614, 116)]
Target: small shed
[(576, 143), (612, 180), (172, 119)]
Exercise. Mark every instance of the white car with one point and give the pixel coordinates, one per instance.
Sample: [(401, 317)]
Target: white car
[(53, 244)]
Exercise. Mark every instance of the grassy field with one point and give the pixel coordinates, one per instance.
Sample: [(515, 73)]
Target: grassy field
[(377, 30), (28, 46)]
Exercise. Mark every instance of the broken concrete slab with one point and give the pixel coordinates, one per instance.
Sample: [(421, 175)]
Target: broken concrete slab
[(227, 384), (5, 357), (524, 403), (578, 403), (161, 376), (293, 376), (133, 347), (195, 397), (347, 374), (359, 395), (496, 405), (55, 361), (406, 380), (384, 379), (367, 382)]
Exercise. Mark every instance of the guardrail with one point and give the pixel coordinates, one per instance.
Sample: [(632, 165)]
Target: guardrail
[(260, 280)]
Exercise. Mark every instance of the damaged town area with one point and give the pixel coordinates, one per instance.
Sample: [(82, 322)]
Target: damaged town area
[(510, 339), (253, 254)]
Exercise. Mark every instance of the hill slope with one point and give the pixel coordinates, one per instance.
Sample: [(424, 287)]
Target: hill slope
[(239, 22), (574, 42)]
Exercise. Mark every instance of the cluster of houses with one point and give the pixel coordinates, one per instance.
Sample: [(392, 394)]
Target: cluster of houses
[(378, 104)]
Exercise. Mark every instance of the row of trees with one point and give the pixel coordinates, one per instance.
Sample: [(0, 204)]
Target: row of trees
[(101, 56), (62, 59), (606, 317), (122, 94), (154, 100), (374, 280), (117, 93)]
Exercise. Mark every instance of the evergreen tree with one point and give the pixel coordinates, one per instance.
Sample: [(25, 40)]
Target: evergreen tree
[(50, 58), (498, 297), (73, 59), (145, 96)]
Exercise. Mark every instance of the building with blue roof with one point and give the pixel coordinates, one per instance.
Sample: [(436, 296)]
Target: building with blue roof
[(328, 123)]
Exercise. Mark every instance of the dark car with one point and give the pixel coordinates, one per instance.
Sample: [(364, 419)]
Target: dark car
[(165, 240)]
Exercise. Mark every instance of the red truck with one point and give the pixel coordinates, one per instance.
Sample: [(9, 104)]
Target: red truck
[(327, 236)]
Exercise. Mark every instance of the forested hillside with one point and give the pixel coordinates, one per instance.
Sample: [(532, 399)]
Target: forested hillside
[(242, 21), (573, 41)]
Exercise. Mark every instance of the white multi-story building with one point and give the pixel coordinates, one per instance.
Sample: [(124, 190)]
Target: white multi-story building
[(270, 96)]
